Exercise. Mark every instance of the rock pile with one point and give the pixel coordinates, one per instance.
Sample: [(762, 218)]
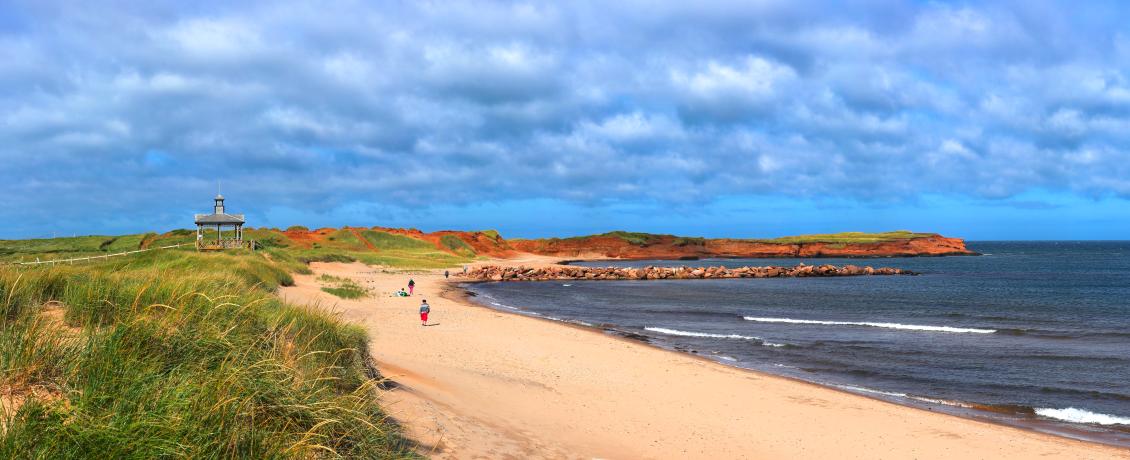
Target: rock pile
[(567, 272)]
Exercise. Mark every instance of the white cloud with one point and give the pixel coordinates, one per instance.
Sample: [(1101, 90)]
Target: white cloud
[(466, 102), (749, 83), (214, 38)]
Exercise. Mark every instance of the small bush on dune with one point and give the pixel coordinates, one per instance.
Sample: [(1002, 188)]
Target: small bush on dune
[(342, 287)]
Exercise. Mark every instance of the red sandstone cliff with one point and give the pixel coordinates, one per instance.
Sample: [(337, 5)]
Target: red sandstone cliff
[(669, 247), (650, 246)]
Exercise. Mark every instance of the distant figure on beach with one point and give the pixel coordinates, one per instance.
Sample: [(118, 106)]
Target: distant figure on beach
[(401, 293), (411, 286), (446, 274), (464, 269), (424, 310)]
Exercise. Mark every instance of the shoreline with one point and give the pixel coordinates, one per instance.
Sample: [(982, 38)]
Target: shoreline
[(960, 409), (486, 383)]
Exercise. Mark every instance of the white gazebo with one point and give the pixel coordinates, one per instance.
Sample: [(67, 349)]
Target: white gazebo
[(221, 219)]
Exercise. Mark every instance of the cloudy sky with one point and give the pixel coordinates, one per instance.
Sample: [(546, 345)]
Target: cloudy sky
[(715, 118)]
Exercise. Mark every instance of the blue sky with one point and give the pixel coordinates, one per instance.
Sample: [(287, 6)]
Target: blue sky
[(1000, 120)]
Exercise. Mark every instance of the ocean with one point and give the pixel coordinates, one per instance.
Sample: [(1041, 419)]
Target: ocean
[(1035, 334)]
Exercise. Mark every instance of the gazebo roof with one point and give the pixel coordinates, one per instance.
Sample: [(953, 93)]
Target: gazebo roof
[(213, 219)]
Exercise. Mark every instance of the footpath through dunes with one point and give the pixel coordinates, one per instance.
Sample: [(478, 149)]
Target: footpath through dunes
[(479, 383)]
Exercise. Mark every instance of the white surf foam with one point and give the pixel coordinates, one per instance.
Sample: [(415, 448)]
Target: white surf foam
[(663, 330), (1074, 415), (907, 327), (771, 344), (944, 402), (868, 390), (728, 358)]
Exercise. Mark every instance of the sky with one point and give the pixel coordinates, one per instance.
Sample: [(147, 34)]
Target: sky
[(981, 120)]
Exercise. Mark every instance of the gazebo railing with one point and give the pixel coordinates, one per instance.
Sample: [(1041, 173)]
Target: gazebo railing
[(227, 243)]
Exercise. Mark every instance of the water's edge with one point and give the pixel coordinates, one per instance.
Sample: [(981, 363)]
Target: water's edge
[(968, 410)]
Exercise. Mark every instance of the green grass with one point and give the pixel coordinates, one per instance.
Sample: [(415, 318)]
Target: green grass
[(387, 241), (849, 237), (342, 287), (690, 241), (635, 238), (456, 245), (178, 354), (61, 248)]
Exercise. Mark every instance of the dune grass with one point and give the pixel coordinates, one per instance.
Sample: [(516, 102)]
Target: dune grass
[(178, 354), (60, 248), (342, 287)]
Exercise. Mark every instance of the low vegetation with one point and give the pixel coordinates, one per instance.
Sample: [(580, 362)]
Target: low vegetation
[(178, 354), (849, 237), (635, 238), (342, 287)]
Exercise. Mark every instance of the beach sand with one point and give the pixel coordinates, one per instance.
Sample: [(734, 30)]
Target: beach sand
[(479, 383)]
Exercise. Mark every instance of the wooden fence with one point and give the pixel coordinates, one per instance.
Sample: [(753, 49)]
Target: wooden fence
[(104, 256)]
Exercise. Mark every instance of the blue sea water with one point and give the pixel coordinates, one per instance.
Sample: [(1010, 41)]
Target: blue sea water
[(1033, 333)]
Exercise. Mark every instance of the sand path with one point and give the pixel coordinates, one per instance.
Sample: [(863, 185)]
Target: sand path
[(484, 384)]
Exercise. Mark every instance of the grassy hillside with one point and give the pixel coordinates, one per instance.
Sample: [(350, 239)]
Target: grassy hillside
[(178, 354), (374, 247), (49, 248)]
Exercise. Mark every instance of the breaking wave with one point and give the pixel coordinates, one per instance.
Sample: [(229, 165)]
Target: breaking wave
[(1074, 415), (907, 327), (663, 330)]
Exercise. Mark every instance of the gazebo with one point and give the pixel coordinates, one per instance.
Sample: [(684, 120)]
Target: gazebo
[(220, 219)]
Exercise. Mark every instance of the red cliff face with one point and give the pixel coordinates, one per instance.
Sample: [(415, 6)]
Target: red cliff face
[(667, 247), (644, 246)]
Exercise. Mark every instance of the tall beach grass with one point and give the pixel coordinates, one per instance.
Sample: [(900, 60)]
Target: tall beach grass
[(177, 354)]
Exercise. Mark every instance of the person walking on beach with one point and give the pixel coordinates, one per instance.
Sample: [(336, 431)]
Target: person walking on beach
[(446, 274), (424, 310), (411, 286)]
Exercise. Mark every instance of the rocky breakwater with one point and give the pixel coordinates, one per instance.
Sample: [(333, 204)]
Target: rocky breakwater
[(497, 273)]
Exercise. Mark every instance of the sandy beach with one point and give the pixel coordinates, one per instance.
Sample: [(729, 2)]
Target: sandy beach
[(479, 383)]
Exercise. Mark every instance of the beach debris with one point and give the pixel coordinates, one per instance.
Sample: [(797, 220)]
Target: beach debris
[(572, 272)]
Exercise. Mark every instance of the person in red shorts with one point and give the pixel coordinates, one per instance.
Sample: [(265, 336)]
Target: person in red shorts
[(424, 310)]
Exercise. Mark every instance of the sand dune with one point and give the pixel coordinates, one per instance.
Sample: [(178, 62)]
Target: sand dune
[(484, 384)]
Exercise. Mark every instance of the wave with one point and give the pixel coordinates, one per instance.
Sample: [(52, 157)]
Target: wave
[(1074, 415), (868, 390), (944, 402), (663, 330), (504, 306), (909, 327)]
